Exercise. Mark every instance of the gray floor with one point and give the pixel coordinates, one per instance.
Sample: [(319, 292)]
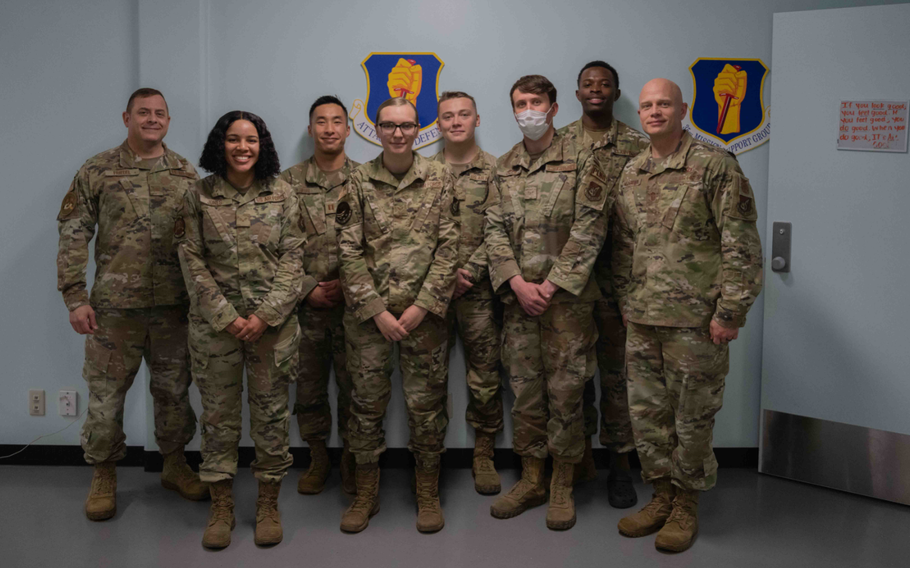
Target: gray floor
[(748, 520)]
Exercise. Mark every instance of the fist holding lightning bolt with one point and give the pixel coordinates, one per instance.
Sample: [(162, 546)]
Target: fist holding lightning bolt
[(729, 92), (405, 80)]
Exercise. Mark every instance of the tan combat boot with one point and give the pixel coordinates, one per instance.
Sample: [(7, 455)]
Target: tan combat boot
[(530, 491), (486, 480), (429, 511), (682, 526), (561, 512), (366, 501), (312, 481), (348, 466), (268, 519), (586, 469), (653, 516), (101, 503), (221, 516), (177, 476)]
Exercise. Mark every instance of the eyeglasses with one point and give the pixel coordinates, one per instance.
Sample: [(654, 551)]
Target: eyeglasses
[(407, 128)]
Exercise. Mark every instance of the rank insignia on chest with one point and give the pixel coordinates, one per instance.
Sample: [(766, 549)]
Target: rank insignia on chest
[(179, 228), (594, 191), (343, 213)]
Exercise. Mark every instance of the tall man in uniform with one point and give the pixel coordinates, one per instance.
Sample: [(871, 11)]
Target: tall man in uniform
[(138, 306), (475, 308), (398, 228), (545, 228), (613, 144), (318, 182), (687, 265)]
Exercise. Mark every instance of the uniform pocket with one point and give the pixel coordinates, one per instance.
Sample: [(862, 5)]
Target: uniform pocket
[(97, 359), (286, 349), (315, 212)]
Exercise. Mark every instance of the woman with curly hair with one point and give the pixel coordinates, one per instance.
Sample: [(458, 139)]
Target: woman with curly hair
[(241, 255)]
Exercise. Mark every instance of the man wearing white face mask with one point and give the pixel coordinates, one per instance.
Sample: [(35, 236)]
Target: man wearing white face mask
[(546, 224)]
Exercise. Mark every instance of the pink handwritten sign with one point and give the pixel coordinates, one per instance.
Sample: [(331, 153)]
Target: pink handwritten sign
[(874, 126)]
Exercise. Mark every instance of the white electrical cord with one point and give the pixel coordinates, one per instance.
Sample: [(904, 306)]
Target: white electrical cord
[(45, 436)]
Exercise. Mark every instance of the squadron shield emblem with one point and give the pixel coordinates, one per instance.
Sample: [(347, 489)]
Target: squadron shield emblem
[(343, 213), (414, 76), (179, 228), (594, 191), (727, 108)]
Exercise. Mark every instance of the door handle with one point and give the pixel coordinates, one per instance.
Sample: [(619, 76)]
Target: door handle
[(780, 247)]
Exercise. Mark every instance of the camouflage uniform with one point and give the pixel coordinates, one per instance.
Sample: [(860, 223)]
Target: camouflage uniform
[(687, 250), (478, 313), (322, 330), (138, 295), (613, 150), (546, 222), (241, 256), (399, 247)]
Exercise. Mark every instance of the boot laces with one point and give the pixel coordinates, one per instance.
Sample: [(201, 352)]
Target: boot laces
[(427, 490), (266, 506), (560, 496), (104, 481), (362, 503), (484, 446), (363, 500), (654, 506), (681, 516), (484, 464)]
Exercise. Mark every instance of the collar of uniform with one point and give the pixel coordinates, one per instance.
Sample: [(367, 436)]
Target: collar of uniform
[(553, 153), (328, 182), (675, 161), (577, 129), (223, 188), (167, 161), (626, 139), (477, 163), (418, 170)]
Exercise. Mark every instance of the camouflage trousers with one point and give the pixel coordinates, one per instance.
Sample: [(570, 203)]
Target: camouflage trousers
[(218, 360), (321, 346), (113, 356), (676, 386), (615, 425), (478, 320), (548, 359), (423, 357)]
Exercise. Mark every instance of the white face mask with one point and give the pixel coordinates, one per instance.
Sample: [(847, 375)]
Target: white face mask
[(533, 123)]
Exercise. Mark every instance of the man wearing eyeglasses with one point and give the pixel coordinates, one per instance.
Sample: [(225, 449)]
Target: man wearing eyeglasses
[(397, 224)]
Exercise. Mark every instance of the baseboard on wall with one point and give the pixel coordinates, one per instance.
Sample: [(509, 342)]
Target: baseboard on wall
[(505, 458)]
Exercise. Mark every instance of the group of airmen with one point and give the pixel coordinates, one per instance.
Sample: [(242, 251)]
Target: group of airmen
[(591, 246)]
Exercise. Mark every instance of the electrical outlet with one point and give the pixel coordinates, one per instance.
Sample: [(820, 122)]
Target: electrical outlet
[(36, 402), (66, 403)]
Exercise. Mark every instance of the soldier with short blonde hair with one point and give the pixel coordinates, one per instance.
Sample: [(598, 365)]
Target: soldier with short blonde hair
[(476, 311)]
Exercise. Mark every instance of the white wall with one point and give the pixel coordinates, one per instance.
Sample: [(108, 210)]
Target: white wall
[(68, 69)]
